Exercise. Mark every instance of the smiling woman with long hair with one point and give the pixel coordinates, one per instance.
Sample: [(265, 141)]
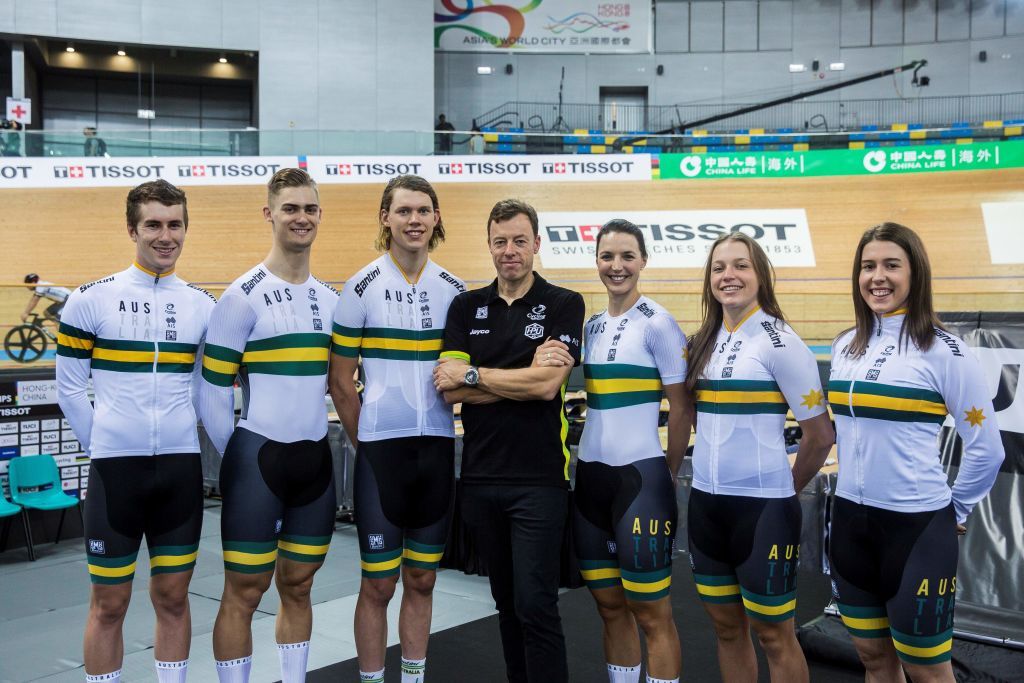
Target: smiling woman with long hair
[(895, 376), (748, 368), (625, 511)]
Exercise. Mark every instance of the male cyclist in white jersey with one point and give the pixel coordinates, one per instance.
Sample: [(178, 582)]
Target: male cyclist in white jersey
[(392, 314), (137, 334), (271, 328), (41, 289)]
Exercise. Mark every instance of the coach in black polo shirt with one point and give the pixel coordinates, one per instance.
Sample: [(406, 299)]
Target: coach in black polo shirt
[(514, 460)]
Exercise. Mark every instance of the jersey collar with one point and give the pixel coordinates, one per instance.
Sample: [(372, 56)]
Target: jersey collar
[(891, 322), (754, 311), (138, 272), (533, 296)]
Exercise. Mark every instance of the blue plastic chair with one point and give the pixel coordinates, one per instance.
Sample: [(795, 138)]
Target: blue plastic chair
[(35, 484), (7, 512)]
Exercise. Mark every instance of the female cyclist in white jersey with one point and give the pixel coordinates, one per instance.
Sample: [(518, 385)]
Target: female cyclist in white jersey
[(896, 375), (748, 369), (625, 511)]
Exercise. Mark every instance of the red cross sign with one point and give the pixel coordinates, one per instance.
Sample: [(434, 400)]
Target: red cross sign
[(19, 110)]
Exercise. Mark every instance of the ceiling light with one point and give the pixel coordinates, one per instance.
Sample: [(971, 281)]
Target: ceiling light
[(837, 66), (70, 47), (223, 58), (121, 52), (484, 70), (797, 68)]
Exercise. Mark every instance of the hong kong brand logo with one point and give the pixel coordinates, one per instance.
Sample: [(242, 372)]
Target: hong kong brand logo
[(376, 541), (534, 331)]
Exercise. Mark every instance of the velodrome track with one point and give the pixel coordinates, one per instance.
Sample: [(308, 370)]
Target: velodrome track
[(72, 236)]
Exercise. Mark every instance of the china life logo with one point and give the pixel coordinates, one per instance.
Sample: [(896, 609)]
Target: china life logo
[(874, 161)]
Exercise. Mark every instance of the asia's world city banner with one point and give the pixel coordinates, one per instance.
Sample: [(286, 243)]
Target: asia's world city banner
[(580, 26)]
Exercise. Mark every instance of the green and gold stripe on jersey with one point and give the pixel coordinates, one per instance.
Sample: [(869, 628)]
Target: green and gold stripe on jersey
[(381, 565), (250, 557), (220, 364), (387, 342), (600, 573), (111, 570), (299, 354), (865, 622), (170, 559), (771, 608), (120, 355), (73, 342), (886, 402), (303, 548), (421, 555), (740, 397), (717, 589), (618, 385), (923, 649), (647, 585)]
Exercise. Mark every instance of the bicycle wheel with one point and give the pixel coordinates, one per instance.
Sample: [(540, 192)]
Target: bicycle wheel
[(25, 343)]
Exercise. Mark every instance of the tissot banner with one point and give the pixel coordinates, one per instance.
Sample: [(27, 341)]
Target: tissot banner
[(483, 169), (678, 239), (71, 172), (582, 26)]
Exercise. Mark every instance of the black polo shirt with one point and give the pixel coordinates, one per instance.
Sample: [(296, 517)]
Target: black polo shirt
[(514, 442)]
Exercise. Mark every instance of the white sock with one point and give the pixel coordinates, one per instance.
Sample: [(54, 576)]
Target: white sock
[(413, 670), (651, 679), (171, 672), (293, 658), (371, 676), (112, 677), (623, 674), (234, 670)]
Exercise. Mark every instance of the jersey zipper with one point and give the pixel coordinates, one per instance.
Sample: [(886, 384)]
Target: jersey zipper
[(419, 394), (156, 359)]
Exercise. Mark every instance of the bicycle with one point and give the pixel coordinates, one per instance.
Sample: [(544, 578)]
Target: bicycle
[(27, 342)]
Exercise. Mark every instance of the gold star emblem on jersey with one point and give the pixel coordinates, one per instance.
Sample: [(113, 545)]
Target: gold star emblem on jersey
[(811, 399), (975, 416)]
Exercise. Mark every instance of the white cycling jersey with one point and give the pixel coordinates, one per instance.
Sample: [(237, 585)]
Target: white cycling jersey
[(757, 372), (627, 360), (48, 290), (275, 336), (137, 335), (889, 405), (396, 325)]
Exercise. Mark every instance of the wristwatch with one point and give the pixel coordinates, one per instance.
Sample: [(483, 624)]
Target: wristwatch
[(472, 376)]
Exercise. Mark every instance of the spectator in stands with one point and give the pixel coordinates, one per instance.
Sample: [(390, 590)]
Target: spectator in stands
[(476, 140), (444, 136), (94, 145)]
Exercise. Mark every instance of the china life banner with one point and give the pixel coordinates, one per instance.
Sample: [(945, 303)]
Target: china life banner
[(830, 162), (580, 26)]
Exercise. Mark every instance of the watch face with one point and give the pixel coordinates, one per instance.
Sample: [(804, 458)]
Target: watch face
[(472, 377)]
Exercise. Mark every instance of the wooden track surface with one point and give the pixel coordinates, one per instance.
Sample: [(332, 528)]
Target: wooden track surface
[(73, 236)]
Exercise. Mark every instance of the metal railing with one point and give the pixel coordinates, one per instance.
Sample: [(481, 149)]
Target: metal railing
[(809, 114)]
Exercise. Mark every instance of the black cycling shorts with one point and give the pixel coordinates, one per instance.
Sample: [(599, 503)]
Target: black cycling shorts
[(277, 497), (746, 549), (624, 526), (894, 575), (403, 492), (156, 496)]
